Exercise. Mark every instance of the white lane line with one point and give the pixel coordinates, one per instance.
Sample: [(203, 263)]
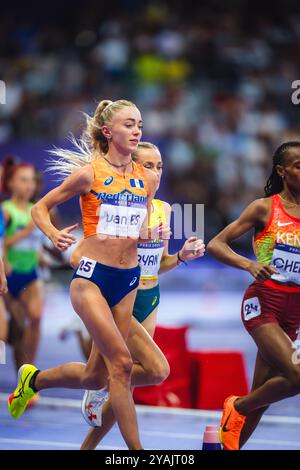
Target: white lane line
[(276, 419), (73, 445), (169, 435), (198, 438), (141, 409), (31, 442), (275, 442), (172, 435)]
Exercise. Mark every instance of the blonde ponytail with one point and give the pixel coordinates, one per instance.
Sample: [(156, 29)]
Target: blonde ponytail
[(91, 145), (93, 132)]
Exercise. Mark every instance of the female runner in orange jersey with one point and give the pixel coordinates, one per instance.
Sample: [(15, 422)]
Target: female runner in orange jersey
[(116, 201)]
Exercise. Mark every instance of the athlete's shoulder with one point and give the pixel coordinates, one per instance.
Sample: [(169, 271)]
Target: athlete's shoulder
[(259, 208), (164, 209), (85, 174), (262, 204), (160, 205), (166, 206), (80, 181)]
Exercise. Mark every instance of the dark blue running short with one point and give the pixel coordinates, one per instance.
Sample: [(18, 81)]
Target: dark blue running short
[(114, 283), (17, 282)]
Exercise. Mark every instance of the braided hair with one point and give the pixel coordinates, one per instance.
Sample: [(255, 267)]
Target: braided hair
[(274, 184)]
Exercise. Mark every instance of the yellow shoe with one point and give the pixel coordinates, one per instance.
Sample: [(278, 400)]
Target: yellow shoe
[(19, 399), (231, 425), (33, 401)]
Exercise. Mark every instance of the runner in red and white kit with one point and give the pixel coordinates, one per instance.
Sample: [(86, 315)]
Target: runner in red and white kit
[(271, 304)]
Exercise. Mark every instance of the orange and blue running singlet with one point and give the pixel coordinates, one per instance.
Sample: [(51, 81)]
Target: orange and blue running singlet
[(117, 204), (279, 244)]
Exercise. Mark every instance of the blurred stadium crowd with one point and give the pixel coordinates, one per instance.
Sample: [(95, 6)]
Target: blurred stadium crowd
[(214, 86)]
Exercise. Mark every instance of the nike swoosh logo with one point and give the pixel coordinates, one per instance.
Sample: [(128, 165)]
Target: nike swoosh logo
[(224, 429), (283, 224)]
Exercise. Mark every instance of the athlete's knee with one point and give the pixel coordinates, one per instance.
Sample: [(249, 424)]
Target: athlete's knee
[(34, 312), (34, 318), (158, 371), (122, 368)]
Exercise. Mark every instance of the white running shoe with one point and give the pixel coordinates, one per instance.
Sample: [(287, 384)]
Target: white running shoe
[(70, 328), (92, 404)]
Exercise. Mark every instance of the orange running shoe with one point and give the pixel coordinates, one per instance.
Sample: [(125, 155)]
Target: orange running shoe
[(231, 425)]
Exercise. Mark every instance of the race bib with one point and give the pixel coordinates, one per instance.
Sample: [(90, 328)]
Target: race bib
[(251, 308), (122, 221), (286, 259), (149, 257), (86, 267)]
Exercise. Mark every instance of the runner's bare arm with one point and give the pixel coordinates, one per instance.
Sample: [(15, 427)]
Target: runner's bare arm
[(20, 235), (80, 182), (219, 247)]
